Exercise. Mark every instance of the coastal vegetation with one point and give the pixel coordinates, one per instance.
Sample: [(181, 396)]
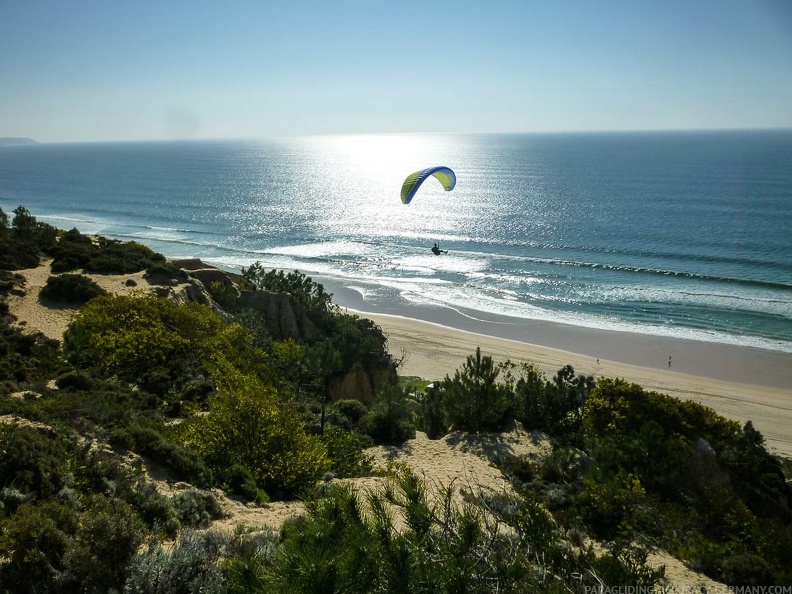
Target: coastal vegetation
[(233, 401)]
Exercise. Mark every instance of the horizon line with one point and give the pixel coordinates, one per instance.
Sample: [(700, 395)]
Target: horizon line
[(415, 133)]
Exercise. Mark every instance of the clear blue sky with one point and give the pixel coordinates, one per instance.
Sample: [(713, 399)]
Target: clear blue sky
[(115, 69)]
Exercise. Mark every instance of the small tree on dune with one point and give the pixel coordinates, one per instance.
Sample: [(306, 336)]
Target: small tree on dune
[(389, 418), (474, 400)]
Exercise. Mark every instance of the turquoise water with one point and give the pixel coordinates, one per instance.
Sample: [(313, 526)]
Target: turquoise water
[(685, 234)]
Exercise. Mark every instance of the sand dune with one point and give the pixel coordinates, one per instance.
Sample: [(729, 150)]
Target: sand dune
[(432, 351), (466, 462)]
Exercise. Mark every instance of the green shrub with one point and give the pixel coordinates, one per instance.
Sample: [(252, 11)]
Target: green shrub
[(346, 452), (190, 566), (553, 407), (196, 508), (238, 480), (149, 442), (34, 542), (71, 288), (352, 413), (26, 357), (747, 570), (433, 421), (245, 568), (16, 255), (73, 381), (252, 428), (9, 282), (26, 229), (474, 400), (33, 461), (72, 251), (117, 257), (108, 529), (224, 293), (134, 336), (440, 547), (389, 420), (301, 288)]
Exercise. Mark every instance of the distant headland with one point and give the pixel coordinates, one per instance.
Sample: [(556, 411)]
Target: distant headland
[(16, 140)]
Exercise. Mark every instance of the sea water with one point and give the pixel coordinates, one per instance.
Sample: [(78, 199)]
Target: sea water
[(685, 234)]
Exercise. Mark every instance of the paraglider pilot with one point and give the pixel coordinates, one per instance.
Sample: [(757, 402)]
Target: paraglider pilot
[(437, 251)]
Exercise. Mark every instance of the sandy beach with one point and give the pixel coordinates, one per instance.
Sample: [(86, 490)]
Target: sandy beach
[(433, 350)]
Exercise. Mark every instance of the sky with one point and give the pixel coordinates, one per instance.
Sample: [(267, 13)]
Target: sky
[(102, 70)]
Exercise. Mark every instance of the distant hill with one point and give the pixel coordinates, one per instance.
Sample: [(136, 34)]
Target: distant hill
[(14, 140)]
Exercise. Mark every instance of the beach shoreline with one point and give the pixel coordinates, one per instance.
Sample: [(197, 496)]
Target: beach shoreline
[(432, 350), (715, 360), (741, 383)]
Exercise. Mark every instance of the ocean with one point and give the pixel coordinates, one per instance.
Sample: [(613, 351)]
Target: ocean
[(679, 234)]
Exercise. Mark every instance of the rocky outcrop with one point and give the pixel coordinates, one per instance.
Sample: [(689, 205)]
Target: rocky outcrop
[(212, 275), (207, 273), (361, 383), (190, 292), (283, 318)]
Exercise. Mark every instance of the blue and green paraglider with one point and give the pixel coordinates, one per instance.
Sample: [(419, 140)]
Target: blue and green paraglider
[(410, 186)]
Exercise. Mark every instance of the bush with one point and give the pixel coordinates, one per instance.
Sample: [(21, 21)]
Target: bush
[(224, 293), (117, 257), (196, 508), (26, 357), (163, 270), (16, 255), (132, 337), (246, 566), (238, 480), (149, 442), (108, 529), (747, 570), (440, 547), (301, 288), (33, 543), (10, 281), (474, 400), (73, 381), (389, 421), (352, 412), (33, 461), (71, 288), (433, 420), (553, 407), (72, 251), (346, 452), (26, 229), (252, 428), (191, 565)]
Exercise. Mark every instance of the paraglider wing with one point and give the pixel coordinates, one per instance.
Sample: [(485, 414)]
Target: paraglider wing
[(410, 186)]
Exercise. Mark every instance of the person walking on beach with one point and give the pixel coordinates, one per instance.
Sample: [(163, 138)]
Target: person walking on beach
[(669, 361)]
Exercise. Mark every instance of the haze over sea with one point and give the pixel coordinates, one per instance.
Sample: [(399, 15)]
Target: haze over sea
[(681, 234)]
